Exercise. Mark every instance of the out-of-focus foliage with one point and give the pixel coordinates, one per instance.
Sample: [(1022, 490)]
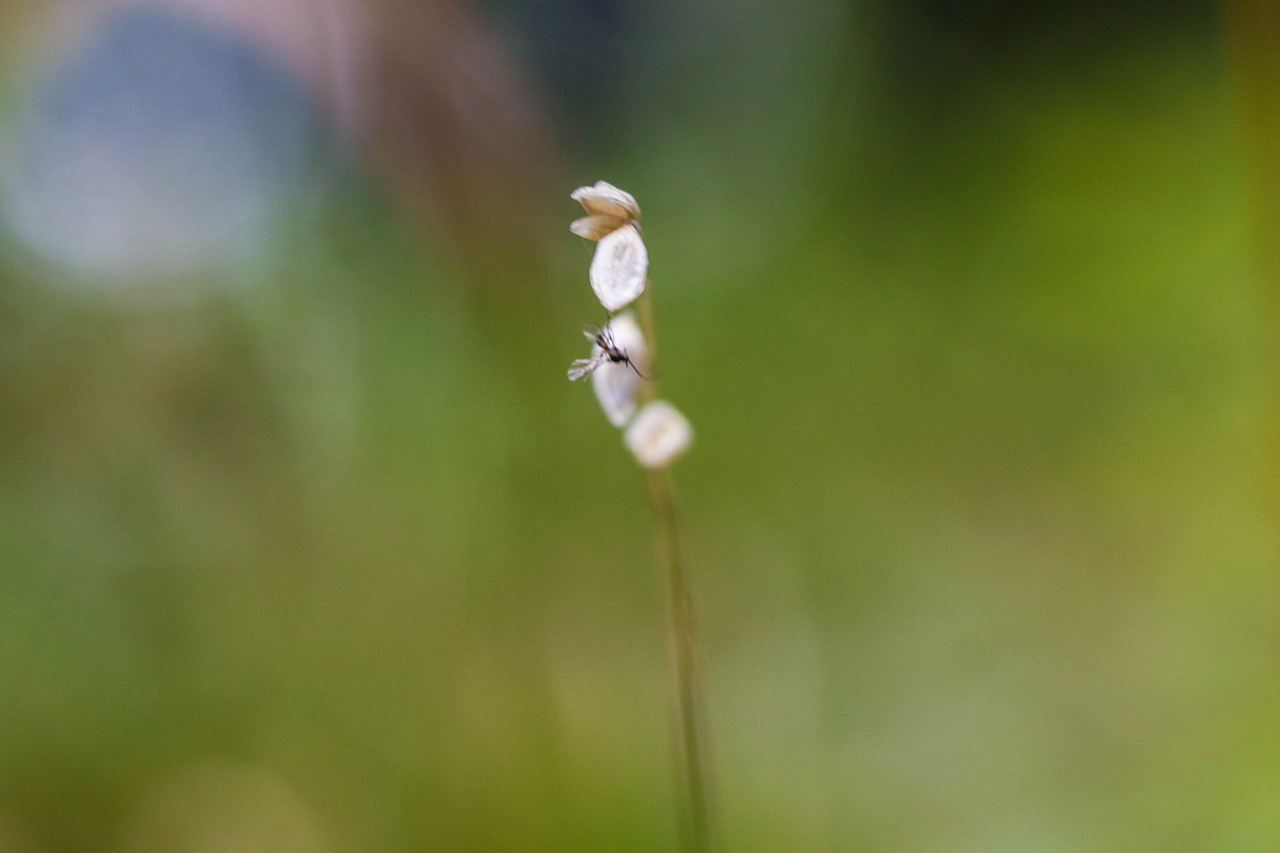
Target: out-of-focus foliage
[(307, 544)]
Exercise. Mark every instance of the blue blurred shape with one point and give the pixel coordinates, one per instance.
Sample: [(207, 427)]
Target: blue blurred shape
[(160, 147)]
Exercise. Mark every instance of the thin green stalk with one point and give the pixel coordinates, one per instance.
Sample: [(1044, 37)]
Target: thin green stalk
[(644, 308), (692, 751)]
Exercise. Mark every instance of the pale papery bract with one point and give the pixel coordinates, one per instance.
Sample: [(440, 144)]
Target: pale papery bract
[(620, 268), (659, 435), (596, 226), (607, 200)]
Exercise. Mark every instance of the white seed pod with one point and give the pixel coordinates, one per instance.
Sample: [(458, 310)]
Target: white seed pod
[(616, 382), (659, 435), (606, 200), (619, 269), (596, 226)]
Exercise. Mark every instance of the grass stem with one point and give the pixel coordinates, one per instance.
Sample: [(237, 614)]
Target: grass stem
[(692, 754), (691, 749)]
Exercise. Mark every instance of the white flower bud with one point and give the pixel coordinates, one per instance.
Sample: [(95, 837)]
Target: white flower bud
[(616, 383), (619, 268), (659, 435), (596, 226), (607, 200)]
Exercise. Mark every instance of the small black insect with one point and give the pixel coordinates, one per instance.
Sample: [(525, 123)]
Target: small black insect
[(610, 352)]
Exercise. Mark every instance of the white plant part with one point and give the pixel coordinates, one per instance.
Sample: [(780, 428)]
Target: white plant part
[(604, 199), (620, 268), (659, 435)]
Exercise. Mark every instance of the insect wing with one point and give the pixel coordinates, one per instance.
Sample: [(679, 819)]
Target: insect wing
[(582, 366)]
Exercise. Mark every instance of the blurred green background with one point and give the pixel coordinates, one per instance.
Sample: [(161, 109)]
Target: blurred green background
[(306, 544)]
